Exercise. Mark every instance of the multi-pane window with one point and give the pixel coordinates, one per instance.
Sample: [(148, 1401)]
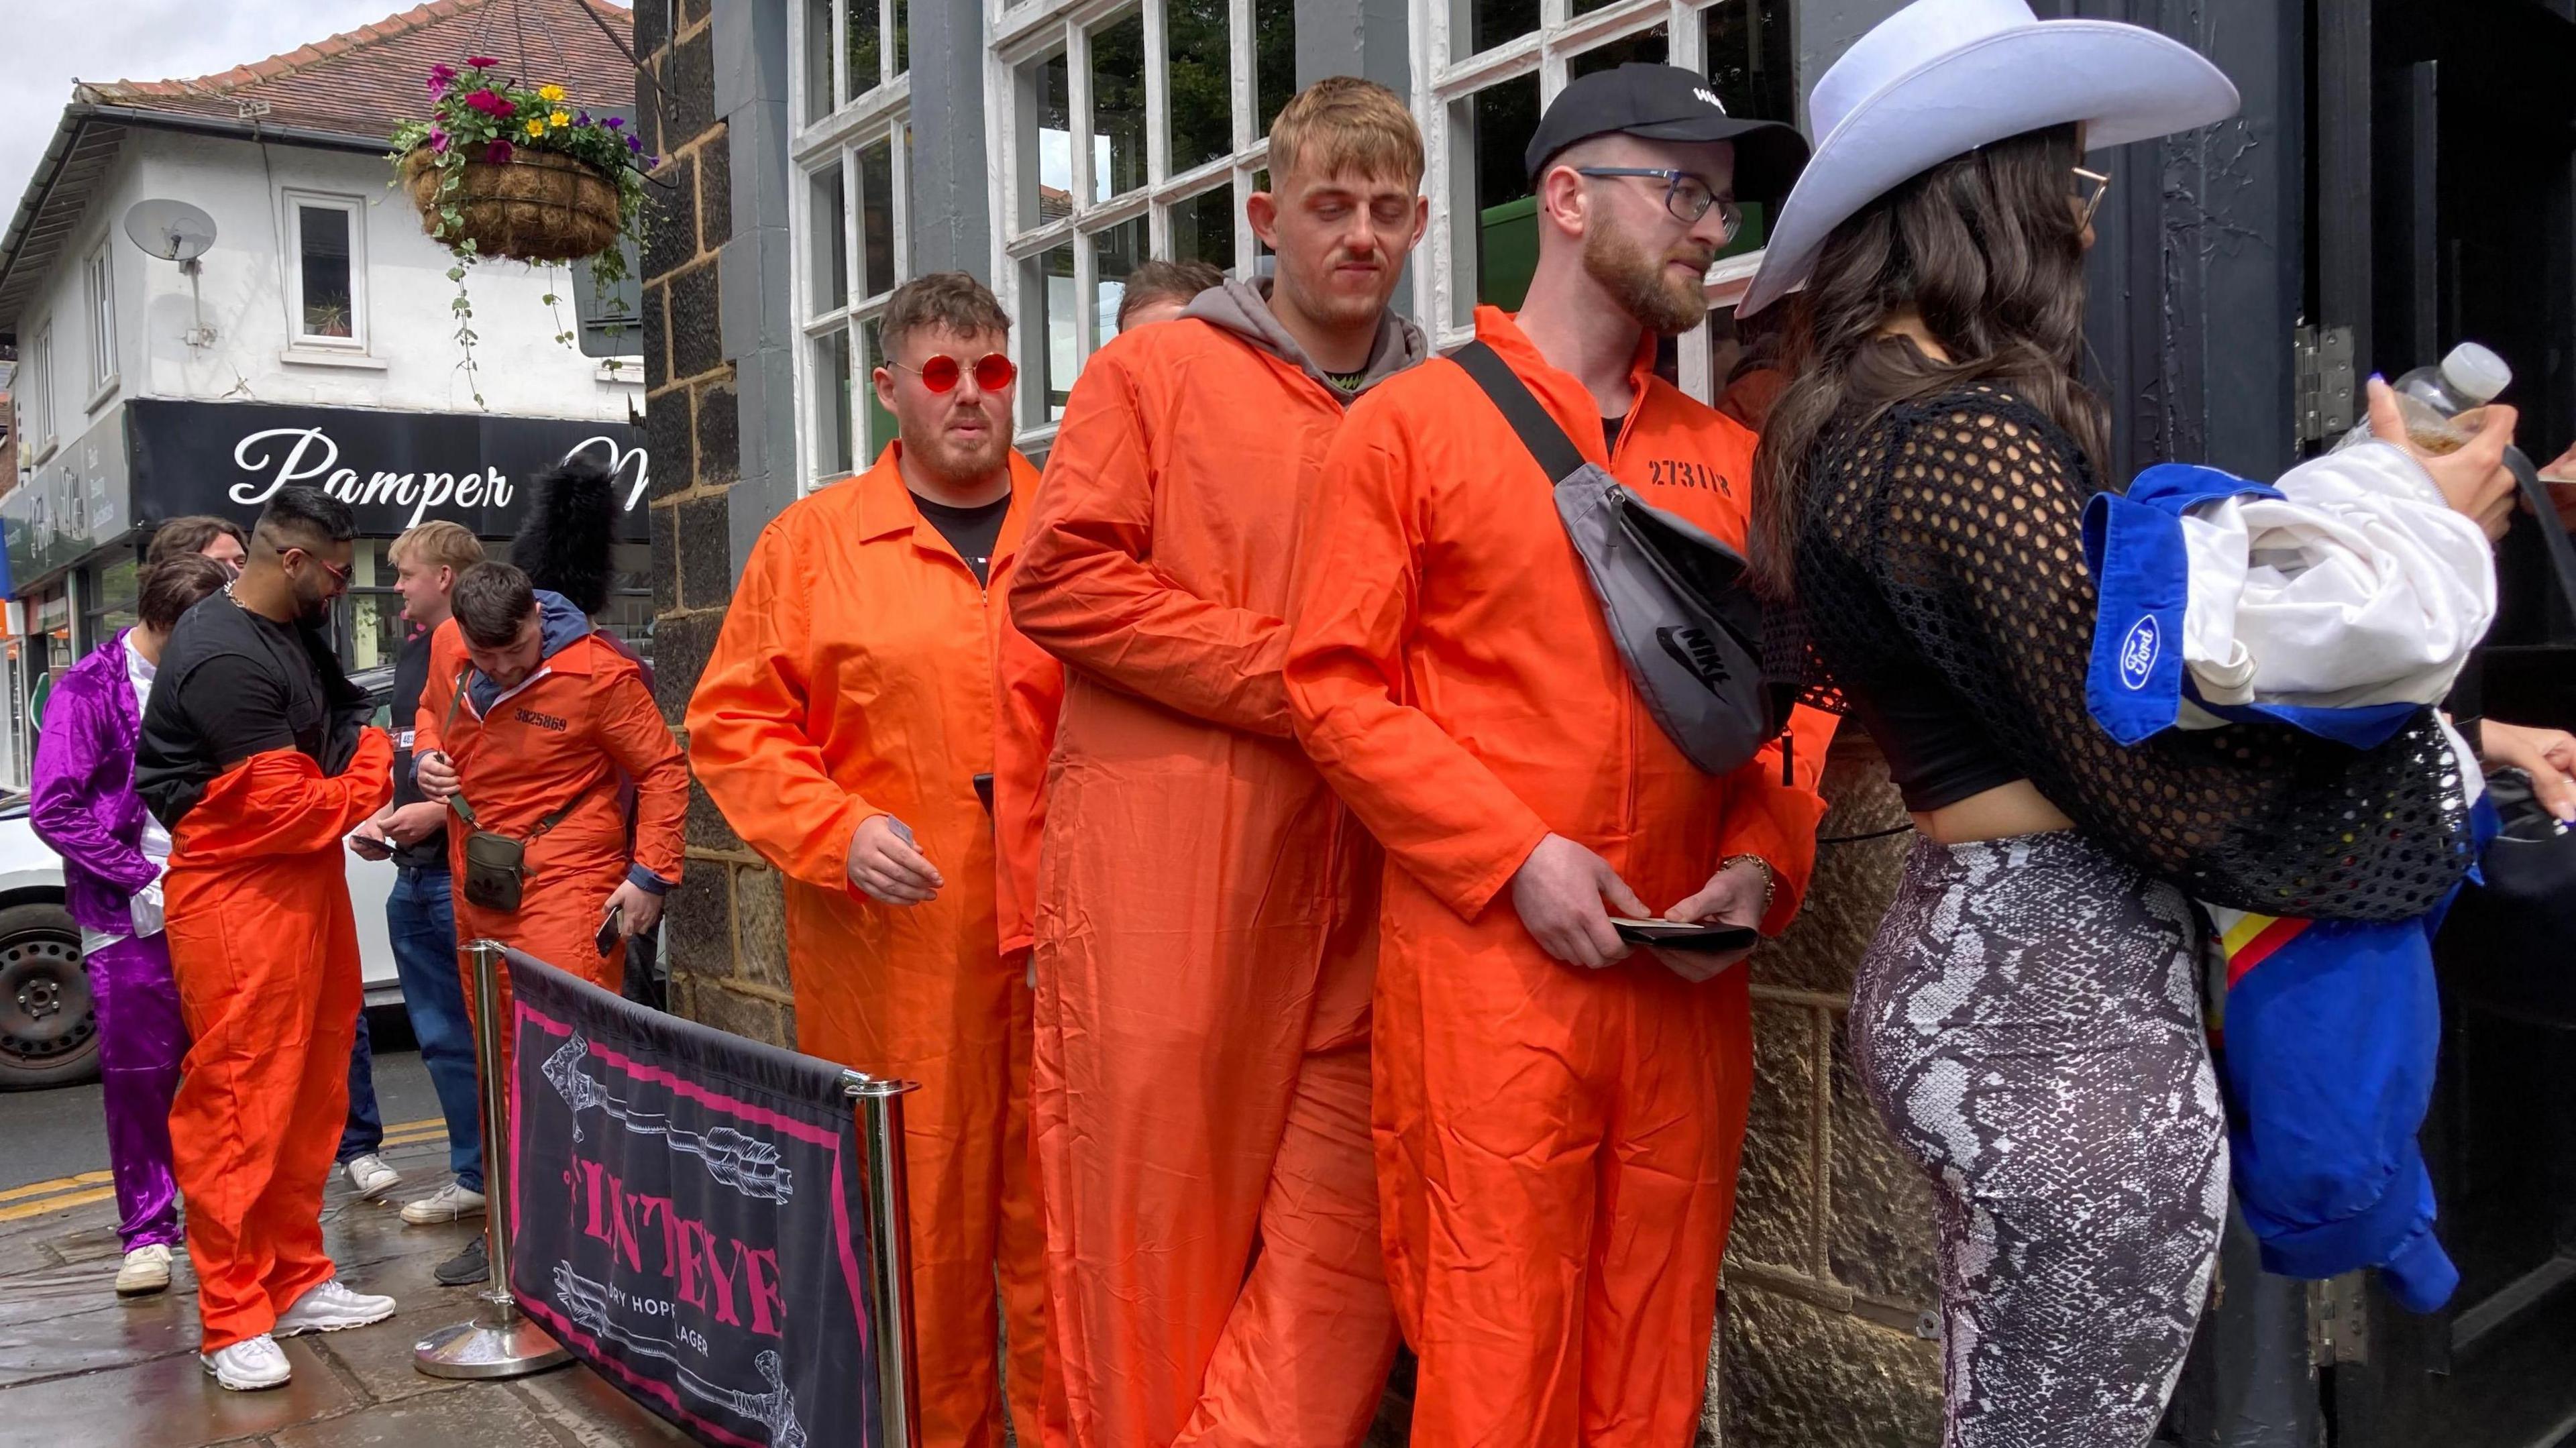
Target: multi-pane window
[(849, 209), (851, 48), (326, 271), (99, 282), (1132, 132), (1493, 67), (35, 384)]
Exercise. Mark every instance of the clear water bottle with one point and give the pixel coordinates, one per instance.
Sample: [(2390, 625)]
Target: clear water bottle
[(2432, 399)]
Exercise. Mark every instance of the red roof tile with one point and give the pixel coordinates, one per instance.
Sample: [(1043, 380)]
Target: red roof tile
[(368, 81)]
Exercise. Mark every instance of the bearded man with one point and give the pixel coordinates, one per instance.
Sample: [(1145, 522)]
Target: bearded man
[(1557, 1122)]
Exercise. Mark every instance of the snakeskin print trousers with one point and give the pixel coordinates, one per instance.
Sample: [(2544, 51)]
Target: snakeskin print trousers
[(2028, 1025)]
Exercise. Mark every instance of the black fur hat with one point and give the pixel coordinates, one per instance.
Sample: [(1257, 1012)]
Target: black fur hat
[(569, 541)]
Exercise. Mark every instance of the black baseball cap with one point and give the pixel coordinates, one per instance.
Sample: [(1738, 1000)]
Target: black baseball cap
[(1668, 103)]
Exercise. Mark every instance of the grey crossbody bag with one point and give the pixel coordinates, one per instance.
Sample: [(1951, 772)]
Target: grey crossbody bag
[(1688, 629)]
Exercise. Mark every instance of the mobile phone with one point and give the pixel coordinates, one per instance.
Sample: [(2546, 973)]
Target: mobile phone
[(1681, 935), (606, 940)]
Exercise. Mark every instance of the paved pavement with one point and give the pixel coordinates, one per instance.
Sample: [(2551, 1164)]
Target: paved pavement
[(81, 1369)]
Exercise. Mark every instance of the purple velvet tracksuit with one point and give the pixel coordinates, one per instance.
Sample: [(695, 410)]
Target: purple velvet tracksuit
[(84, 805)]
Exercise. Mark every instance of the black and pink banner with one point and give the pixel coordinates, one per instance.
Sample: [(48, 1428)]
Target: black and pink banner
[(688, 1219)]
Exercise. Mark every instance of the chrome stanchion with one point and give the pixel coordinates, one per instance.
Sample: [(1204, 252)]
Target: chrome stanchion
[(500, 1342), (889, 1286)]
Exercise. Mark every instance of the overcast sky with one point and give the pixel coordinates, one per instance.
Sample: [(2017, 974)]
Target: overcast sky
[(51, 42)]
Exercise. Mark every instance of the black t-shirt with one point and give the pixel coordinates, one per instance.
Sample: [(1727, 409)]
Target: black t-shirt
[(411, 676), (971, 531), (1610, 427), (232, 684)]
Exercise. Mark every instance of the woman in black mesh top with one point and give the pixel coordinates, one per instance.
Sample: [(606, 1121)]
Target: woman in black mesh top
[(2028, 1019)]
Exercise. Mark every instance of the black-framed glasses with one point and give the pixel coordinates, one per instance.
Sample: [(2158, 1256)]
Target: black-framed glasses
[(1686, 196), (2090, 188)]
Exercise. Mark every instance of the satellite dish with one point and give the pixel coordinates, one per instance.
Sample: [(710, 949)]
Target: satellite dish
[(170, 230)]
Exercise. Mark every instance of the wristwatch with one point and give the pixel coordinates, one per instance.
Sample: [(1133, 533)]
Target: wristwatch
[(1770, 880)]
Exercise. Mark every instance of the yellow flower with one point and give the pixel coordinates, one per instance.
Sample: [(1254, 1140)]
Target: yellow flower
[(551, 92), (559, 118), (536, 127)]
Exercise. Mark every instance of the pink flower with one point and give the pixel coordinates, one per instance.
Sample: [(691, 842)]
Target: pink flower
[(491, 102), (441, 76), (437, 140), (497, 153), (480, 61)]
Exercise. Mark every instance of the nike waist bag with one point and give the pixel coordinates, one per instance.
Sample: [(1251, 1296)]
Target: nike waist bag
[(1674, 597)]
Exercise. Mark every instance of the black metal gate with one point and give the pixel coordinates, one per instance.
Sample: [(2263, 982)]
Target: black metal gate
[(2403, 176)]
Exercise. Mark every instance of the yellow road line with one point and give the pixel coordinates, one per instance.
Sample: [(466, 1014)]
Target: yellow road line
[(58, 1184), (397, 1127), (55, 1204)]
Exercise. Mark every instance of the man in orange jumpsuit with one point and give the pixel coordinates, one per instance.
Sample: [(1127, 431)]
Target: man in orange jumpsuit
[(1557, 1127), (841, 725), (1204, 927), (255, 755), (529, 718)]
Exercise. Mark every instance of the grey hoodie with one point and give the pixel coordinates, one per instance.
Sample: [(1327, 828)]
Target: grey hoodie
[(1243, 308)]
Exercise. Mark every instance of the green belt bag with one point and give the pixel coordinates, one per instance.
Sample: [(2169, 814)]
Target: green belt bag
[(496, 866)]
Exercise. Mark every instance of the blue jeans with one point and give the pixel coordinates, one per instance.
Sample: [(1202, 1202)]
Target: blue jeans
[(365, 1132), (420, 915)]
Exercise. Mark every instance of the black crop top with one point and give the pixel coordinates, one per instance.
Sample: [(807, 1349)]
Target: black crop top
[(1942, 594)]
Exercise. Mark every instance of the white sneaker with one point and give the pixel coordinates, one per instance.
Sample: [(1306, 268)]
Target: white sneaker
[(450, 1203), (146, 1270), (371, 1176), (248, 1365), (332, 1307)]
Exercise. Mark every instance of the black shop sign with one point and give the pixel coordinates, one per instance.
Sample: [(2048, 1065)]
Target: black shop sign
[(397, 469), (154, 460)]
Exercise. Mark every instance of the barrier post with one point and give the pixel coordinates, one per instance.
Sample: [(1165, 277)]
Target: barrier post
[(889, 1285), (500, 1341)]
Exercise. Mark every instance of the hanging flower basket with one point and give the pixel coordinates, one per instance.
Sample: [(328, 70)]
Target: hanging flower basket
[(537, 206), (502, 169)]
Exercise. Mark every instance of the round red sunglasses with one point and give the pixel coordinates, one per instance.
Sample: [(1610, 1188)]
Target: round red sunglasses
[(993, 372)]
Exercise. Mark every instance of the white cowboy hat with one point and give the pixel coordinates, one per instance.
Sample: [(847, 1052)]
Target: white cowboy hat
[(1942, 77)]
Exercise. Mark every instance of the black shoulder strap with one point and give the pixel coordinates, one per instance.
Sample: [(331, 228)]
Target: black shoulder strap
[(1539, 432), (2553, 533), (457, 801)]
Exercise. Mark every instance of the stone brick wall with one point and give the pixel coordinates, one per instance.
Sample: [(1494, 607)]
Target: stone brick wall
[(1828, 1333), (725, 939)]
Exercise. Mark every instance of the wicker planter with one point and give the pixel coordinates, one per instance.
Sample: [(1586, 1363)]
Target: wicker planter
[(536, 206)]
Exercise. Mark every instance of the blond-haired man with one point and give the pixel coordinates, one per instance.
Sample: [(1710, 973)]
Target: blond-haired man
[(420, 914), (1205, 930)]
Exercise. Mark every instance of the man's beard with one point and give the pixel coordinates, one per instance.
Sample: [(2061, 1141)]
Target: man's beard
[(962, 465), (312, 612), (1641, 285)]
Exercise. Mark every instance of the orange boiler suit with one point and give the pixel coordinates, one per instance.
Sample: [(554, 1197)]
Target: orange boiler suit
[(264, 949), (854, 677), (560, 738), (1204, 927), (1556, 1146)]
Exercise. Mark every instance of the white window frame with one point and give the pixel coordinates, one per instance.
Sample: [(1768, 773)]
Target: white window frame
[(295, 203), (1444, 86), (881, 114), (1031, 30), (98, 278), (35, 394)]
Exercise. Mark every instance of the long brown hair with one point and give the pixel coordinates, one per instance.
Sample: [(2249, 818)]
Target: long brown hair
[(1984, 247)]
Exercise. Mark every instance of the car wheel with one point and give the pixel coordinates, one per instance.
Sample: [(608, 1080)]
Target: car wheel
[(48, 1024)]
